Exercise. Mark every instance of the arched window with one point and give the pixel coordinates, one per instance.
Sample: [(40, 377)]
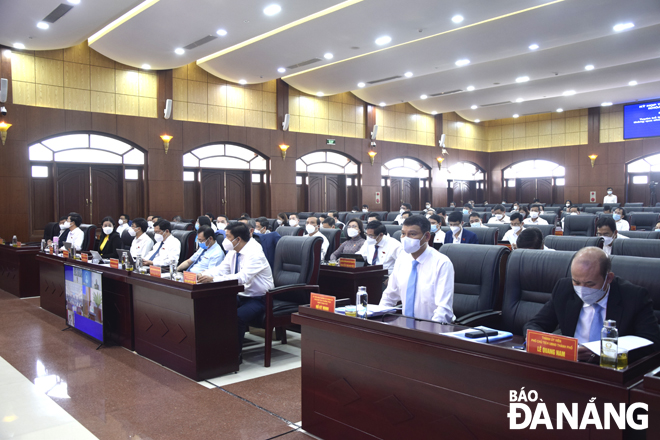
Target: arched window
[(225, 156), (645, 165), (640, 174), (326, 162), (327, 180), (534, 168), (465, 171), (405, 167)]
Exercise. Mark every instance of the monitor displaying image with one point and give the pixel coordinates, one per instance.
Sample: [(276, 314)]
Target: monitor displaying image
[(84, 301), (641, 120)]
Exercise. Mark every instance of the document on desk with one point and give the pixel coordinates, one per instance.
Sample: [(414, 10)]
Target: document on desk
[(628, 342), (372, 310), (500, 336)]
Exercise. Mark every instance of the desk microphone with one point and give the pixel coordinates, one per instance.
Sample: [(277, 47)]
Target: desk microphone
[(437, 322)]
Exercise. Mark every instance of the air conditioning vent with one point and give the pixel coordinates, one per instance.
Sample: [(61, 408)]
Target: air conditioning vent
[(304, 63), (376, 81), (57, 13), (496, 103), (447, 93), (200, 42)]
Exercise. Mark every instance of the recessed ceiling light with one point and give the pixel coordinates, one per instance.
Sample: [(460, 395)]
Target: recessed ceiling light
[(179, 51), (272, 9), (463, 62), (470, 88), (7, 53), (19, 46), (533, 46), (519, 100), (623, 26), (477, 121), (281, 70), (516, 115), (43, 25), (221, 32), (589, 67), (242, 82), (434, 113), (559, 110), (319, 93), (382, 104), (408, 74), (631, 83), (457, 18), (361, 84), (74, 2), (328, 56), (522, 79), (569, 93), (423, 97), (606, 104), (146, 66), (383, 40), (474, 107)]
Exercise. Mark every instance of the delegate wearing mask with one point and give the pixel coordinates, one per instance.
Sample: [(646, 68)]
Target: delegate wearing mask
[(208, 256), (606, 228), (457, 234), (312, 230), (422, 278), (581, 303), (379, 248), (516, 229), (621, 224)]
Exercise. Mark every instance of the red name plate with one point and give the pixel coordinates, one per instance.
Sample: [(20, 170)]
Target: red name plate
[(65, 254), (84, 258), (346, 262), (190, 278), (556, 346), (2, 241), (18, 244), (154, 271), (114, 263), (50, 250), (322, 302)]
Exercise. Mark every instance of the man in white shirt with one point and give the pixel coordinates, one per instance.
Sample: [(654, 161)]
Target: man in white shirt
[(475, 221), (405, 207), (621, 224), (123, 224), (312, 230), (209, 254), (142, 243), (534, 218), (245, 261), (499, 216), (213, 226), (221, 224), (379, 247), (423, 278), (76, 235), (294, 221), (168, 247), (516, 229), (609, 198), (606, 228)]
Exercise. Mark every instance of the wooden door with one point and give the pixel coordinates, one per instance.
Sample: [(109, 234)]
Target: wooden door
[(213, 193), (408, 192), (396, 198), (544, 190), (106, 190), (73, 190), (637, 192), (526, 190), (335, 193), (315, 193), (461, 192), (237, 193)]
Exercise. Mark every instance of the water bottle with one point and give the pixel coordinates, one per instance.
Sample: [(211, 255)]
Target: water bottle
[(43, 245), (138, 263), (128, 264), (609, 344), (14, 241), (173, 270), (361, 301)]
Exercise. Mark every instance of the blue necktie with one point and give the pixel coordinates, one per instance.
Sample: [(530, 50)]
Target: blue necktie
[(374, 259), (156, 253), (409, 306), (596, 323), (197, 260), (236, 268)]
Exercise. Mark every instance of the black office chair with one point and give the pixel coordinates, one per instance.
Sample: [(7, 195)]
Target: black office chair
[(593, 210), (568, 243), (644, 221), (351, 215), (583, 225), (397, 235), (126, 239), (545, 229), (187, 239), (52, 229), (648, 235), (486, 235), (633, 205), (642, 272), (391, 216), (502, 228), (90, 237), (550, 217), (382, 214), (391, 229), (290, 230), (295, 275), (183, 226), (636, 247), (342, 216), (333, 236), (478, 278), (304, 215)]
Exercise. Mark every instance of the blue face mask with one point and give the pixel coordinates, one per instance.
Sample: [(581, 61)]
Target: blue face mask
[(197, 226), (616, 217), (657, 230), (202, 245), (465, 211), (434, 228)]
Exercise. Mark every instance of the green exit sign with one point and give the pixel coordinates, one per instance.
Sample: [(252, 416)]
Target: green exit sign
[(330, 142)]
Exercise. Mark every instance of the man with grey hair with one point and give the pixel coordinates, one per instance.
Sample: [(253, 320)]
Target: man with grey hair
[(580, 304)]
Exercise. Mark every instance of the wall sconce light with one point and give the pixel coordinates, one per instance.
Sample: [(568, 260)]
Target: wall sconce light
[(593, 159), (3, 131), (166, 141), (283, 148), (372, 155), (440, 159)]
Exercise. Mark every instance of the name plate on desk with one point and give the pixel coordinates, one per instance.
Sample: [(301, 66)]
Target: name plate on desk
[(190, 278), (347, 262), (551, 345), (2, 241), (154, 271), (114, 263), (18, 244), (65, 254), (84, 258), (325, 303), (49, 250)]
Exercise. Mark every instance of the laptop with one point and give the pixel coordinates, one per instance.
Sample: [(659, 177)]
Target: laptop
[(67, 246), (359, 259), (96, 258)]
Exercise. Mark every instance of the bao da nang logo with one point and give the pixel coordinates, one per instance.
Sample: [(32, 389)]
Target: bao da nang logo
[(613, 415)]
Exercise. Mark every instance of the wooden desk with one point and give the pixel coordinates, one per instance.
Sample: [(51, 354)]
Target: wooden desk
[(343, 282), (402, 379), (649, 392), (18, 270)]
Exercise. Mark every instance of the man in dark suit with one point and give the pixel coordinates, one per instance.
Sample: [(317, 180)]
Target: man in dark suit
[(593, 294), (267, 239), (458, 234)]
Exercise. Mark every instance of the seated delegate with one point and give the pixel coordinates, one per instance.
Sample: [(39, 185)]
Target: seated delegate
[(209, 254), (110, 240), (142, 243), (76, 235), (458, 234), (168, 247), (379, 248), (355, 232)]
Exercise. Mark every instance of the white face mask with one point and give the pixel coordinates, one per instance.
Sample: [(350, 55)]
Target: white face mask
[(63, 226), (534, 214), (589, 295), (107, 230), (609, 192), (67, 225), (310, 229), (221, 226), (475, 225), (499, 216), (121, 222), (455, 229), (568, 204), (411, 245), (151, 224), (365, 210), (293, 222), (158, 237), (516, 229), (371, 241), (401, 211), (132, 232), (279, 222), (608, 241), (351, 232), (428, 215), (228, 245), (428, 206)]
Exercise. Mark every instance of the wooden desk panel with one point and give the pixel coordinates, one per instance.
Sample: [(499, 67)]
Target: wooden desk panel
[(18, 270), (649, 392), (52, 289), (343, 282)]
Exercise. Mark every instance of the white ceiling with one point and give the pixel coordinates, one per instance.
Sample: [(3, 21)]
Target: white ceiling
[(494, 36)]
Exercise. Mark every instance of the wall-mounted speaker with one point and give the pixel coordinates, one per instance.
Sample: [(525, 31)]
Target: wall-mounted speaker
[(374, 133), (285, 124), (442, 140), (168, 108), (4, 88)]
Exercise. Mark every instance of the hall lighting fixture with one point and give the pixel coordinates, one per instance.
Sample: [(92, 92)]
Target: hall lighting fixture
[(470, 88), (361, 84), (569, 93), (118, 22), (283, 148), (519, 100), (408, 74), (593, 159), (272, 9), (221, 32), (74, 2), (383, 40), (423, 97), (3, 131), (559, 110), (440, 159), (281, 70), (319, 94), (589, 67), (457, 18), (146, 66), (179, 51), (533, 46), (43, 25), (474, 106), (461, 63), (606, 104), (7, 53), (522, 79), (516, 115), (623, 26), (477, 121), (166, 141), (19, 46), (328, 56), (372, 155), (242, 82), (631, 83), (382, 104), (434, 113)]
